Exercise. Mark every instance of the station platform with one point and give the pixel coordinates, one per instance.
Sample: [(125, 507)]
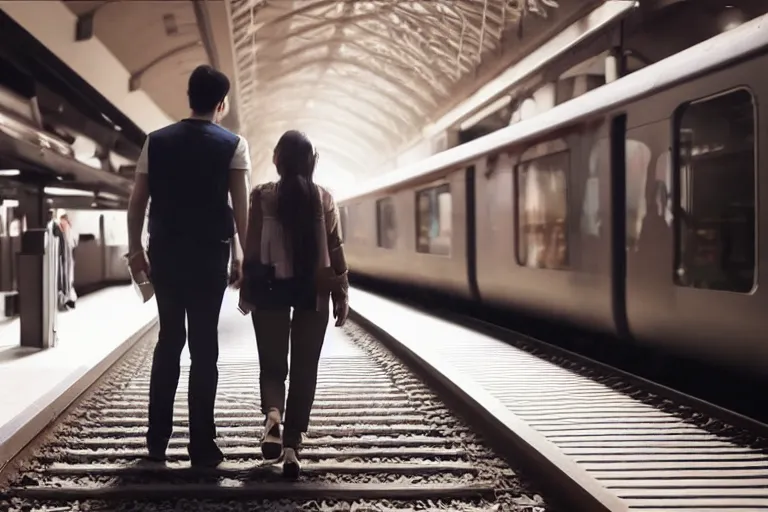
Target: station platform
[(37, 385)]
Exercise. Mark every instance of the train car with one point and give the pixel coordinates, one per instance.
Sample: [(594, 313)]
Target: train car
[(630, 210), (378, 230)]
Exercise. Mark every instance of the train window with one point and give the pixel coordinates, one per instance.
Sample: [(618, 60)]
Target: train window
[(542, 202), (355, 223), (344, 220), (715, 220), (386, 228), (433, 220)]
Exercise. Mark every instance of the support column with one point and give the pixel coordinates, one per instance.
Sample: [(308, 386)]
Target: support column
[(37, 274), (33, 205)]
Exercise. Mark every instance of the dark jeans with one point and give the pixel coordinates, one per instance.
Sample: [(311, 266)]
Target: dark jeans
[(189, 280), (304, 333)]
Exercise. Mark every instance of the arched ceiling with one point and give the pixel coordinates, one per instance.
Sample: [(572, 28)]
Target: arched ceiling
[(360, 77), (160, 42)]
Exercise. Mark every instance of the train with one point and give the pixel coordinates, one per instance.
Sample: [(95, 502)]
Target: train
[(630, 211)]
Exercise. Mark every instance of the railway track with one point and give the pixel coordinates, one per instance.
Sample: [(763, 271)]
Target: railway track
[(379, 439), (653, 448)]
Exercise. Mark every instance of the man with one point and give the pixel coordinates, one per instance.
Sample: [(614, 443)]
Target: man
[(188, 170)]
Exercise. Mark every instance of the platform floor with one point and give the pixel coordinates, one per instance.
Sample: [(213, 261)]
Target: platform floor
[(648, 458), (36, 385)]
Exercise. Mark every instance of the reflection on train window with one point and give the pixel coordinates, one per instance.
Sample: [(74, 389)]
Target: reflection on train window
[(344, 220), (542, 199), (638, 161), (663, 187), (716, 214), (386, 228), (599, 164), (433, 220)]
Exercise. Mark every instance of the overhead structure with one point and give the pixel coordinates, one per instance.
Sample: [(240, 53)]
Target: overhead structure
[(361, 78)]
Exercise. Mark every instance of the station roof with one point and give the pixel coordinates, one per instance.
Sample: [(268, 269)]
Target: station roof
[(360, 77)]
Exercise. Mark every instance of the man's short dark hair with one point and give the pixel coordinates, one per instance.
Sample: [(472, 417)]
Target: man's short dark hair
[(207, 88)]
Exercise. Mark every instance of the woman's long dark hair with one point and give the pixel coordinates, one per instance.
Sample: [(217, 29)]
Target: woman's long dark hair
[(298, 200)]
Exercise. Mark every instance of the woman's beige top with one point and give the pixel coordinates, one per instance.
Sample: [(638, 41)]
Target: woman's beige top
[(265, 243)]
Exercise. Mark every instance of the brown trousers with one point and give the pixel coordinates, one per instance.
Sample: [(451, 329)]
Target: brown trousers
[(304, 333)]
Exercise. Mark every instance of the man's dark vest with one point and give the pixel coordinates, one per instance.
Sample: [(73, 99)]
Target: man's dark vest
[(188, 167)]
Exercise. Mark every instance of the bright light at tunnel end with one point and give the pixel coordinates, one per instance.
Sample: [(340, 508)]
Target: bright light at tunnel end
[(337, 180)]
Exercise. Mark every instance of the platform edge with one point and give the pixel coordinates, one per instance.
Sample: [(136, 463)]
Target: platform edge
[(38, 416)]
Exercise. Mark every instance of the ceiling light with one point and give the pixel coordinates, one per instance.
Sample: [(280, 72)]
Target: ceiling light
[(108, 196), (10, 203), (9, 172), (72, 192)]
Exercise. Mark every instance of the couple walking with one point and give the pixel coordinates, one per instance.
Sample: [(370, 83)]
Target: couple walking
[(283, 251)]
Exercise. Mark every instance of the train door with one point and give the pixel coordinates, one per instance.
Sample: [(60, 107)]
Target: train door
[(692, 237)]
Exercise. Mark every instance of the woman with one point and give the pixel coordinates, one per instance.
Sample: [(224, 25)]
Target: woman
[(293, 259)]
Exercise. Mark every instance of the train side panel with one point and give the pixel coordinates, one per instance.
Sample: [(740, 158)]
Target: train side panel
[(102, 245), (693, 255), (390, 239), (544, 227)]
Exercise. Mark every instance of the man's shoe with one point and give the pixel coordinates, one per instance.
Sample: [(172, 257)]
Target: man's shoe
[(156, 454), (207, 461)]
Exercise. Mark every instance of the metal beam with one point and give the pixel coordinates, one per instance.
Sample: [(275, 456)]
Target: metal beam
[(86, 22), (206, 31), (134, 83), (400, 60), (607, 14)]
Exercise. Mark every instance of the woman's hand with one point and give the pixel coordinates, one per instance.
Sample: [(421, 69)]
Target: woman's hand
[(340, 311), (244, 307)]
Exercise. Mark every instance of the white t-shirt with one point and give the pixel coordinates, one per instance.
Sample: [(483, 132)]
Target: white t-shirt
[(241, 160)]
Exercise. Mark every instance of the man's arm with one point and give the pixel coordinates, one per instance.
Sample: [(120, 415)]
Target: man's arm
[(137, 205), (239, 174)]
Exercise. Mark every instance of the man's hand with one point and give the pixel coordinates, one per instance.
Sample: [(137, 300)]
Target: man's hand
[(138, 262), (340, 311), (236, 265)]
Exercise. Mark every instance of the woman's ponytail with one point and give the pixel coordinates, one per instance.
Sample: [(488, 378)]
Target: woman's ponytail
[(298, 201)]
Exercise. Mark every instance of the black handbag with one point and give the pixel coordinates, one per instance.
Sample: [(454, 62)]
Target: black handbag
[(259, 281), (264, 290)]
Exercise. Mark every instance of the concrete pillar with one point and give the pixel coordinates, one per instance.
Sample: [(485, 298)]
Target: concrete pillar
[(445, 140), (614, 65), (527, 109), (34, 207), (544, 97)]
